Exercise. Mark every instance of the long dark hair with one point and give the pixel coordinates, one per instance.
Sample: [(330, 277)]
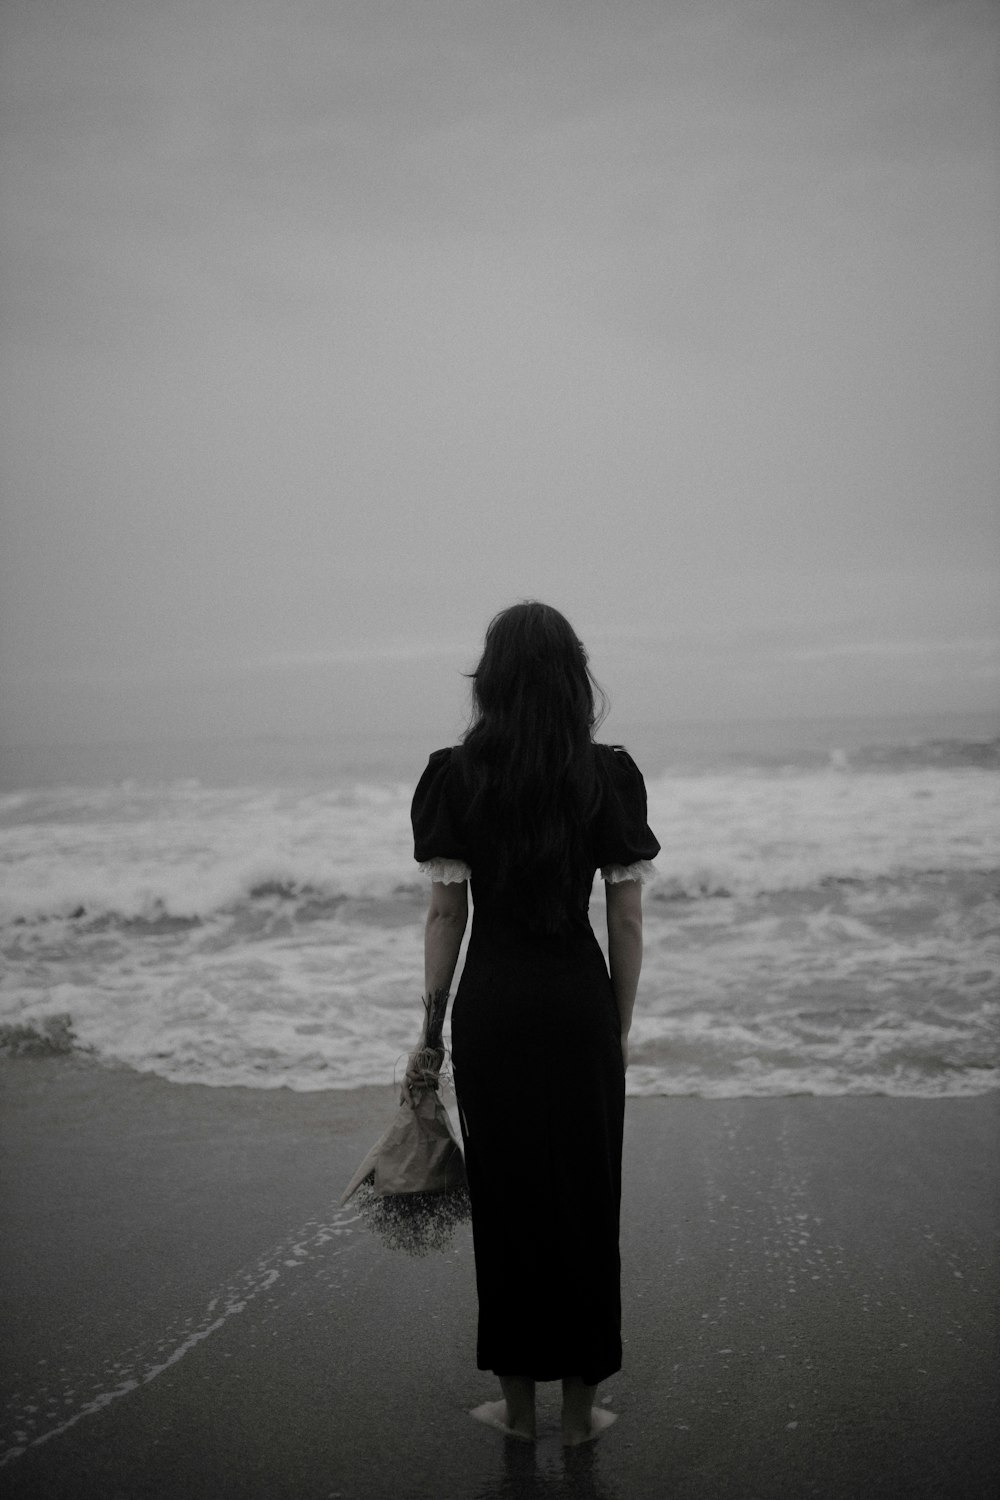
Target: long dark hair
[(535, 705)]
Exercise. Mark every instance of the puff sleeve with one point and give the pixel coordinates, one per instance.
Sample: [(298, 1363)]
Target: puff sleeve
[(435, 813), (624, 843)]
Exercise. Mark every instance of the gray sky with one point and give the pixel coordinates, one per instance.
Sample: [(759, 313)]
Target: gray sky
[(331, 328)]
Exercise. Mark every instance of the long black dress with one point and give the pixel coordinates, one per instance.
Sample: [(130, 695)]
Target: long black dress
[(538, 1072)]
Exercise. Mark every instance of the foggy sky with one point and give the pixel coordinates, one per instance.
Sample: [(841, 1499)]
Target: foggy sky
[(331, 328)]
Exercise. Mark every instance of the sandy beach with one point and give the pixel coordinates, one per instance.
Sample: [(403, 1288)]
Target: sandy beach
[(809, 1304)]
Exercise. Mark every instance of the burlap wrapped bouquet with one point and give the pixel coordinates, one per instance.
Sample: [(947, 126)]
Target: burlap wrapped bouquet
[(411, 1187)]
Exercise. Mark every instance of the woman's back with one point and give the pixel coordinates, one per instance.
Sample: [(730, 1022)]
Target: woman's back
[(454, 822)]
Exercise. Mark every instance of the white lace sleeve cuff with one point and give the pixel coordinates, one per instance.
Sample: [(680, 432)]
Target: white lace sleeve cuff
[(643, 870), (445, 871)]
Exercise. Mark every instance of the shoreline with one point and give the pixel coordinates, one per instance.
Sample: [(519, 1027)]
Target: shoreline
[(808, 1302)]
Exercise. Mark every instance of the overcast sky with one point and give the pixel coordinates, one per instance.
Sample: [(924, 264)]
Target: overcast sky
[(332, 326)]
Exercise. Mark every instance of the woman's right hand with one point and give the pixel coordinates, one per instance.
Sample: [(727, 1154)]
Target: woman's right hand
[(422, 1069)]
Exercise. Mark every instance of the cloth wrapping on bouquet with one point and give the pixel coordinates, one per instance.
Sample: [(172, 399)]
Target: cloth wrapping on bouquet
[(418, 1153), (411, 1187)]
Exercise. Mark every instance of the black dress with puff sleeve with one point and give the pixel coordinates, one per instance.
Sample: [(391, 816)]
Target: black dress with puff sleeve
[(538, 1072)]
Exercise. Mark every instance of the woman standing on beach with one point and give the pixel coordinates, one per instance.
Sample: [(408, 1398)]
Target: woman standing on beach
[(528, 807)]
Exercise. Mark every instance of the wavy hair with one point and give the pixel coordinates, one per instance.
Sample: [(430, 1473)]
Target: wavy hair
[(535, 706)]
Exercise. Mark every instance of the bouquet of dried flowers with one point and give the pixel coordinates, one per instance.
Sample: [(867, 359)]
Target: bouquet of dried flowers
[(411, 1187)]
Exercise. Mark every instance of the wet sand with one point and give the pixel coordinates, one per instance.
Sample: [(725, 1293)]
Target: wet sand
[(809, 1305)]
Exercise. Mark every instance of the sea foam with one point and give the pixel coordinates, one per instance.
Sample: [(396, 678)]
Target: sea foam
[(822, 929)]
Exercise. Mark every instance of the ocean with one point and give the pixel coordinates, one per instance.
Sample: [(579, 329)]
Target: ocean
[(825, 918)]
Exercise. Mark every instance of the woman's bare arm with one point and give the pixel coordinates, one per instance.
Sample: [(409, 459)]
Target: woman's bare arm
[(624, 948), (447, 915)]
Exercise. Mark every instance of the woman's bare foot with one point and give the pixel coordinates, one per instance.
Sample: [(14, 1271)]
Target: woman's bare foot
[(598, 1423), (582, 1421), (495, 1414)]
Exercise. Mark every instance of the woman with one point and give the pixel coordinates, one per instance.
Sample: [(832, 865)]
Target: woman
[(528, 807)]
